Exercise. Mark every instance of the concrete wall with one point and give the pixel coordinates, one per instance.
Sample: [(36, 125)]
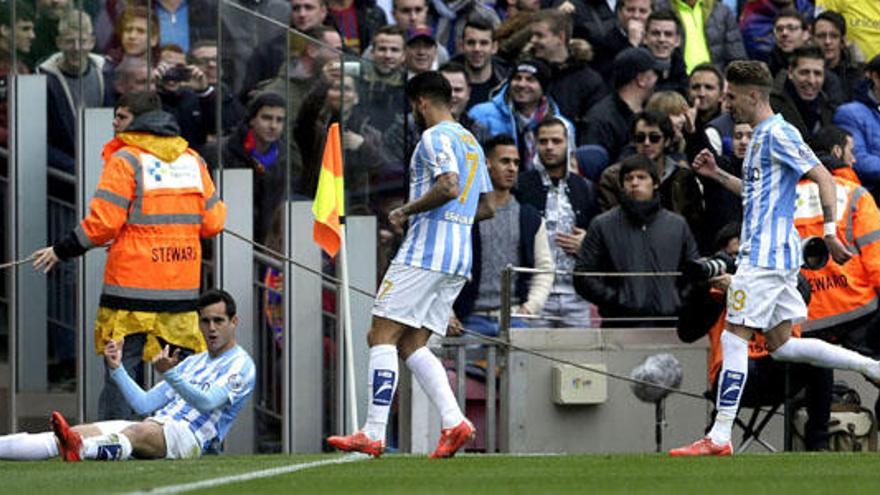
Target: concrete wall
[(534, 423)]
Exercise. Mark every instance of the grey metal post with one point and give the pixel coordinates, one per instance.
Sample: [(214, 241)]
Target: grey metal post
[(27, 228), (362, 255), (236, 264), (506, 292), (303, 335), (491, 389), (97, 129)]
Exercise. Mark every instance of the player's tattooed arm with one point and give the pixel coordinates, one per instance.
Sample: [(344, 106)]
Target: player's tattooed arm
[(444, 189), (704, 165)]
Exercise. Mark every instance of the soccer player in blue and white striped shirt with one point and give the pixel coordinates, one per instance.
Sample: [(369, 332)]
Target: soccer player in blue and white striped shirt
[(192, 409), (763, 293), (449, 183)]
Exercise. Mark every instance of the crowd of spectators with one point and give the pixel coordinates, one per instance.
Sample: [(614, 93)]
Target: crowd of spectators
[(578, 86)]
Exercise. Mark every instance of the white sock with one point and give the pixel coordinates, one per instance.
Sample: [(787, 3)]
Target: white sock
[(110, 447), (820, 353), (431, 374), (731, 383), (382, 382), (28, 447)]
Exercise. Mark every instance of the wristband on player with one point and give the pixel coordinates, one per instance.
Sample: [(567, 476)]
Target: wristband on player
[(830, 229)]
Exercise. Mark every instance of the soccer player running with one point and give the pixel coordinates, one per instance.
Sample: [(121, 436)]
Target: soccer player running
[(763, 295), (448, 187), (192, 409)]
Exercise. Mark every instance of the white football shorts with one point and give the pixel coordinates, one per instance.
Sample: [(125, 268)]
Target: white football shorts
[(417, 297), (180, 442), (761, 298)]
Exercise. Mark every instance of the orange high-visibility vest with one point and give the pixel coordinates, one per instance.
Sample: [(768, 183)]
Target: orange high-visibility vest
[(841, 293), (153, 211)]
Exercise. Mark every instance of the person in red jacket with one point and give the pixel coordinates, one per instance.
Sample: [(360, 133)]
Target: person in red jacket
[(154, 203)]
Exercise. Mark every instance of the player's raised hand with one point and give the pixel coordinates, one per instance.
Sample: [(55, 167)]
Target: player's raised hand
[(839, 253), (113, 353), (45, 259), (397, 219), (705, 165), (166, 360)]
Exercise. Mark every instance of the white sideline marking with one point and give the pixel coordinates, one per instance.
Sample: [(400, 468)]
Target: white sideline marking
[(265, 473)]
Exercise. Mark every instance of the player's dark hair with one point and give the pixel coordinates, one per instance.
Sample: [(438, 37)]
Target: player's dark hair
[(431, 85), (750, 73), (215, 296), (496, 141)]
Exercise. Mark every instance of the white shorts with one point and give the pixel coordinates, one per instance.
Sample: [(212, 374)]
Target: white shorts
[(180, 442), (417, 297), (761, 298)]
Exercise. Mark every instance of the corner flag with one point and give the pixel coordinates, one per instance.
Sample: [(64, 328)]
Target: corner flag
[(329, 203)]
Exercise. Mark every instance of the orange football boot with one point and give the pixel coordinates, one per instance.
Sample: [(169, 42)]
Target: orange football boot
[(452, 439), (703, 446), (357, 442), (69, 441)]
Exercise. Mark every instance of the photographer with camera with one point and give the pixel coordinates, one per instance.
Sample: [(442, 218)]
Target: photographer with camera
[(186, 94), (655, 240), (704, 313)]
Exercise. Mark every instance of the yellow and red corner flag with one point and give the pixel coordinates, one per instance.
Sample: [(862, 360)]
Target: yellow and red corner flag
[(329, 203)]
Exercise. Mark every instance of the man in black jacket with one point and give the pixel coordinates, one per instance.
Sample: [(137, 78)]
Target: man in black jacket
[(636, 236), (798, 93), (573, 84)]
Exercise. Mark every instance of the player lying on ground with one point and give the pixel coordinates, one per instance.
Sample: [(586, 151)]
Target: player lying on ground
[(192, 410)]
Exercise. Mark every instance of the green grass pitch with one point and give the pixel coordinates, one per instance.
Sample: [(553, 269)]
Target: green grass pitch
[(795, 473)]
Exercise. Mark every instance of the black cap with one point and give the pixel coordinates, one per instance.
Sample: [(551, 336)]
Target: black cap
[(630, 63), (537, 68), (419, 32)]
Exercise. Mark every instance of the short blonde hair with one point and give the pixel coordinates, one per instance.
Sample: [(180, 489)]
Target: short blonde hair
[(667, 102), (75, 21)]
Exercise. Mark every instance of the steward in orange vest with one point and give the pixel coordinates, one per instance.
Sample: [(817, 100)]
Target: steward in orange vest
[(842, 294), (154, 203)]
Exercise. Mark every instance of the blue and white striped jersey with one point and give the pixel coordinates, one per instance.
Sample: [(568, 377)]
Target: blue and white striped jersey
[(234, 368), (775, 160), (440, 239)]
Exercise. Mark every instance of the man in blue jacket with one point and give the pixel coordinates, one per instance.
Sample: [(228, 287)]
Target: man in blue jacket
[(518, 107), (861, 118)]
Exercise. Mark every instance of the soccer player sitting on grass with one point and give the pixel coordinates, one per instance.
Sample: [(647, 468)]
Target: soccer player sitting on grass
[(192, 410)]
